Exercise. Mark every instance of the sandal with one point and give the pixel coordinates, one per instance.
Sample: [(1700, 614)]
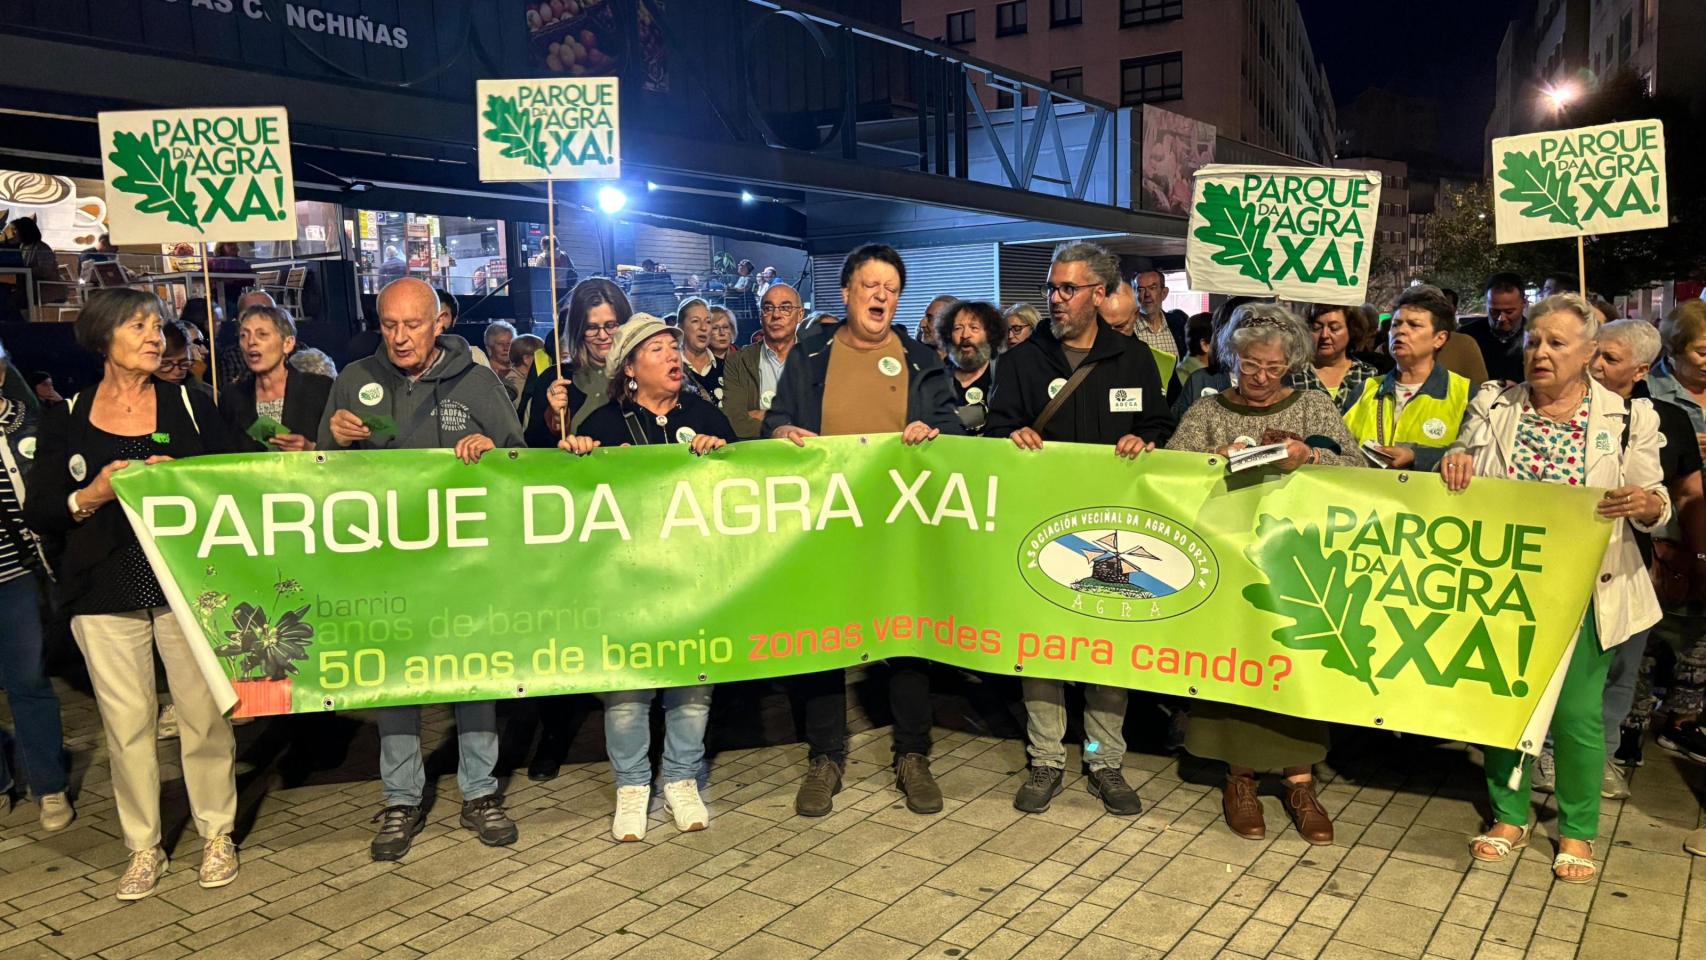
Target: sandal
[(1571, 860), (1501, 844)]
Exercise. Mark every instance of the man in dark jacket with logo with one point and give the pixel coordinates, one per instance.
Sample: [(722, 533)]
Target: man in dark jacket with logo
[(865, 376), (1078, 381), (424, 391)]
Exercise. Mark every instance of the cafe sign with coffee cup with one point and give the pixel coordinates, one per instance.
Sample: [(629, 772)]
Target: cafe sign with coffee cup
[(205, 175), (69, 218)]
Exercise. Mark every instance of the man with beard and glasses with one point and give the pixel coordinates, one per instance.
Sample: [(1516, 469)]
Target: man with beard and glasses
[(1076, 380), (970, 330)]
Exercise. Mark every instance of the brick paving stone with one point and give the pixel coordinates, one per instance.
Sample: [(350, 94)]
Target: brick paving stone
[(1393, 927), (1302, 941), (1151, 920), (1640, 910), (825, 918)]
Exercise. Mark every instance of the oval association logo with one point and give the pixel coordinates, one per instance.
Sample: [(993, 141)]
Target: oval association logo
[(1118, 563)]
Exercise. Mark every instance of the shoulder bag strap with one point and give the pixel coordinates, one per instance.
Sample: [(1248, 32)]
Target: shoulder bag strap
[(1066, 391)]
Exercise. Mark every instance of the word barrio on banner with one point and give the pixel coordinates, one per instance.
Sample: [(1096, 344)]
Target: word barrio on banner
[(203, 175), (549, 129), (1301, 233), (1572, 183), (1325, 593)]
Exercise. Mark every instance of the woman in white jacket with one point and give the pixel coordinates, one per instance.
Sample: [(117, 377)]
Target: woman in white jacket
[(1560, 426)]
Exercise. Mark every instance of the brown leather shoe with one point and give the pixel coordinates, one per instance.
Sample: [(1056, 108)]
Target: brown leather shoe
[(1243, 810), (1307, 813)]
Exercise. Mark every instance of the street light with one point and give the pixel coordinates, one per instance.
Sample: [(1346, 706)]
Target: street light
[(1562, 96), (611, 200)]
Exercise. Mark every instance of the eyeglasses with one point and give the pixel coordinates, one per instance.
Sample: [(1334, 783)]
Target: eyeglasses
[(1272, 371), (1066, 290), (779, 309), (169, 365), (604, 329)]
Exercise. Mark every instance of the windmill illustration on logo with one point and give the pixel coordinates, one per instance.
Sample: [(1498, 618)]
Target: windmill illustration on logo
[(1110, 564)]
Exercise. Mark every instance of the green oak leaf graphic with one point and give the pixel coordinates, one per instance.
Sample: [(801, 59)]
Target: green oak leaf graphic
[(523, 137), (150, 174), (1234, 227), (1543, 188), (1313, 590)]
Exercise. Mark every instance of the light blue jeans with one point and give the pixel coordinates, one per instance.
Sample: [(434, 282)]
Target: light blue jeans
[(1620, 687), (628, 733), (400, 766)]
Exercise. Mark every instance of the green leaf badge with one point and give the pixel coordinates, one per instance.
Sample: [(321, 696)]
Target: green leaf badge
[(150, 174), (1544, 189), (1234, 227), (523, 137), (1325, 606)]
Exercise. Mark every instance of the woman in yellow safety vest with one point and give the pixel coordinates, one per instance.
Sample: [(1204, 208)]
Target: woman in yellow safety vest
[(1408, 417)]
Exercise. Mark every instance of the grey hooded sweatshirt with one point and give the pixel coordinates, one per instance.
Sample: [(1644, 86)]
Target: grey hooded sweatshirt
[(455, 397)]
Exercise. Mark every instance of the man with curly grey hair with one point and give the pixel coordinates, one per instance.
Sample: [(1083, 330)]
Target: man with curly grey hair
[(1076, 380)]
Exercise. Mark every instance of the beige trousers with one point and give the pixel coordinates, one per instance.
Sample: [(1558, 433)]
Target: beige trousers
[(116, 648)]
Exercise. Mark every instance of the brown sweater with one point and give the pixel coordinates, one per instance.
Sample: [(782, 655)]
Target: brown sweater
[(1213, 422)]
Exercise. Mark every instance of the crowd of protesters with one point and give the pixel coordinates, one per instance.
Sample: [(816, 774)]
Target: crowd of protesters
[(1512, 395)]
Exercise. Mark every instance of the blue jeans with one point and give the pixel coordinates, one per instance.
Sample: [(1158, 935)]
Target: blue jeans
[(628, 733), (35, 707), (1620, 686), (400, 766)]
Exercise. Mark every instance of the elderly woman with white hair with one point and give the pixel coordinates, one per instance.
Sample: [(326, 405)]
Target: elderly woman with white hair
[(1560, 426), (1264, 344)]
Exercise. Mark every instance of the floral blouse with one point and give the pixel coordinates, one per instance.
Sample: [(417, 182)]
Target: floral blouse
[(1551, 451)]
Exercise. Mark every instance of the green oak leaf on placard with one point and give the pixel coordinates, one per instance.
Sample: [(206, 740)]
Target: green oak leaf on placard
[(1234, 227), (150, 174), (1544, 189), (523, 137), (1324, 604)]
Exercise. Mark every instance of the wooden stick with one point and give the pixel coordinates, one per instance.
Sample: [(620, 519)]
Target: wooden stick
[(556, 325), (212, 348), (1581, 265)]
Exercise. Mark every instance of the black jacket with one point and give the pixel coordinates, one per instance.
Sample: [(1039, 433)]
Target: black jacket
[(192, 427), (799, 393), (305, 397), (1089, 415)]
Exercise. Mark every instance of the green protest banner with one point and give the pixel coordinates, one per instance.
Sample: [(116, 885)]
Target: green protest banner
[(1301, 233), (1572, 183), (204, 175), (359, 579), (549, 129)]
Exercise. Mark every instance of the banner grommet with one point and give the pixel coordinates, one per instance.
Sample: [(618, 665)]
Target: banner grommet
[(514, 454), (327, 703)]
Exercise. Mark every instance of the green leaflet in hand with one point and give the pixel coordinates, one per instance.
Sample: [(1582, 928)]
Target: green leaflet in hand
[(150, 174), (1544, 189), (522, 136), (1314, 591), (1241, 235)]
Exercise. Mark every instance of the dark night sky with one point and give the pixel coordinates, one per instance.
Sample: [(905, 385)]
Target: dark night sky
[(1445, 49)]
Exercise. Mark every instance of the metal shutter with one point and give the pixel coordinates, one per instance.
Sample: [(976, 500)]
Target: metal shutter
[(966, 271), (1024, 268), (682, 253), (578, 229)]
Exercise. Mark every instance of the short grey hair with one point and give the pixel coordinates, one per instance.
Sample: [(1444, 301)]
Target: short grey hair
[(1103, 264), (1641, 336), (279, 317), (1572, 303), (493, 329), (1254, 323)]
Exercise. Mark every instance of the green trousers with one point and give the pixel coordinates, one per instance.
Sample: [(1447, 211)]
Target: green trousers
[(1578, 745)]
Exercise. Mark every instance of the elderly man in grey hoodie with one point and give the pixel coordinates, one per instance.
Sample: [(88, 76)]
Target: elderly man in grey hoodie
[(423, 391)]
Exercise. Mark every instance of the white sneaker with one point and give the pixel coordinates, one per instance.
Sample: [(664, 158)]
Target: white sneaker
[(629, 824), (1613, 785), (56, 812), (167, 727), (681, 799)]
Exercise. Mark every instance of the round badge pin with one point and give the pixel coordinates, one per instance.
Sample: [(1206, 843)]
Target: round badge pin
[(27, 448), (1662, 441), (685, 435), (718, 393), (889, 366), (765, 399), (371, 394), (1055, 385), (1434, 428), (79, 467), (974, 395)]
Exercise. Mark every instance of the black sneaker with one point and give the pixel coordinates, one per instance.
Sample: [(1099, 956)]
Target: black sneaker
[(397, 828), (1686, 739), (1629, 747), (1118, 798), (487, 819), (1034, 794)]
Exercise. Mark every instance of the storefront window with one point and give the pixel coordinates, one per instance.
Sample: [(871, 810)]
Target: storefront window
[(459, 254)]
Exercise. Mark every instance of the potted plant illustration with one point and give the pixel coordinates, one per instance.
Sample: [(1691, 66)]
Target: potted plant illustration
[(260, 657)]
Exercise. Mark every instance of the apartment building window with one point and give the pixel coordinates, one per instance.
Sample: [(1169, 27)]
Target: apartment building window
[(1070, 80), (1010, 19), (1152, 79), (1136, 13), (1065, 13), (962, 27)]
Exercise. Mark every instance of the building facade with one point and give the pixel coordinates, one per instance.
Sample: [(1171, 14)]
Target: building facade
[(1177, 54)]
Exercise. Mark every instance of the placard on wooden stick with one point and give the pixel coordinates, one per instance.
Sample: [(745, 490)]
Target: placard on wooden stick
[(549, 129), (1575, 183)]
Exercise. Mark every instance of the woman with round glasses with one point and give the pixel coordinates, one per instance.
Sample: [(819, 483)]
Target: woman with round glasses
[(597, 309)]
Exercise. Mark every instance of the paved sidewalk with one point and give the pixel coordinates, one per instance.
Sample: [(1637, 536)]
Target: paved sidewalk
[(870, 882)]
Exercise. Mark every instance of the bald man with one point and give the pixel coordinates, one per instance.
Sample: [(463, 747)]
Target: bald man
[(421, 392), (927, 328), (1119, 309)]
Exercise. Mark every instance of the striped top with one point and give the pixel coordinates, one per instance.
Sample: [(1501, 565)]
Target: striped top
[(11, 551)]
